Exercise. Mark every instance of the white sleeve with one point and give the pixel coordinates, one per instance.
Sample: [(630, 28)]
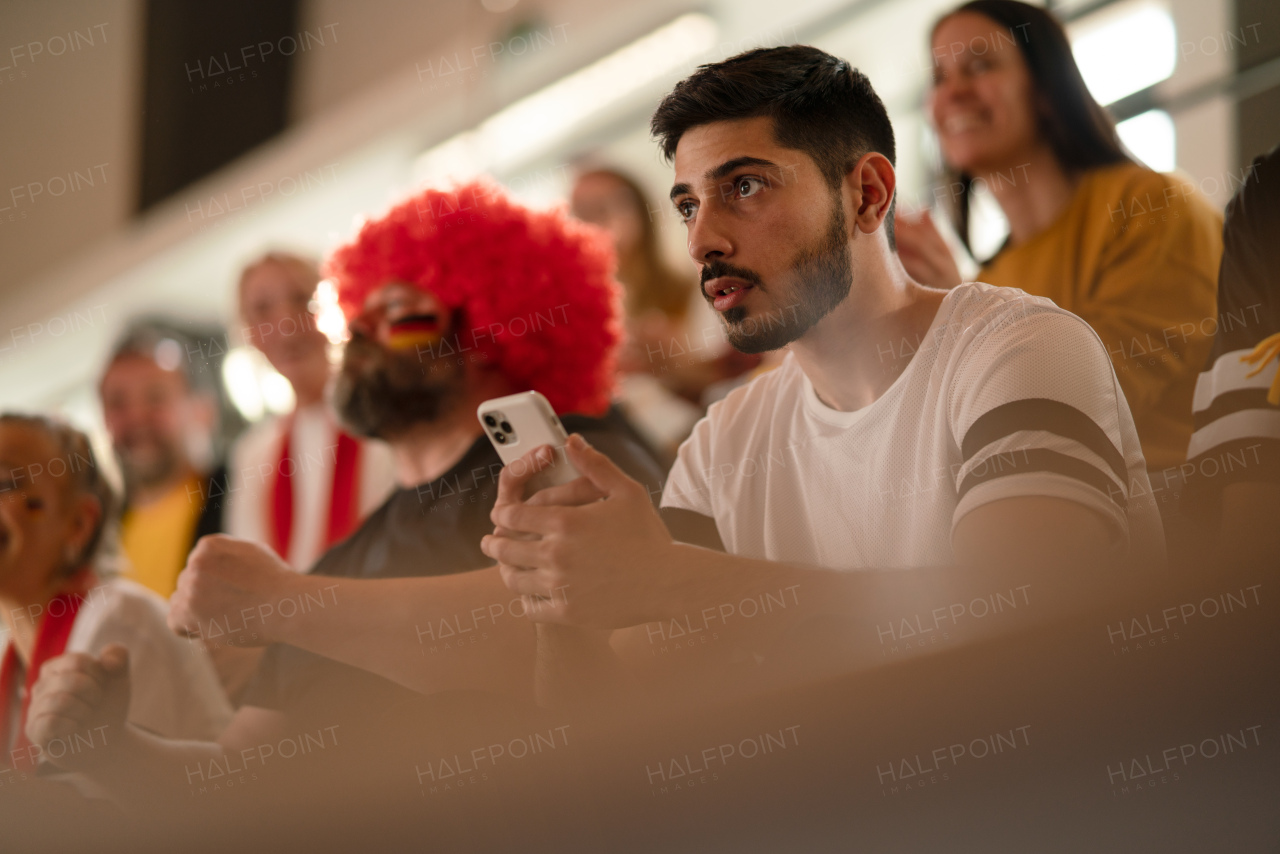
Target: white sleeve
[(246, 504), (1036, 410), (175, 689), (688, 486)]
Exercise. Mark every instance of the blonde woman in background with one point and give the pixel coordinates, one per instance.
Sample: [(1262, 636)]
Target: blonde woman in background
[(675, 355)]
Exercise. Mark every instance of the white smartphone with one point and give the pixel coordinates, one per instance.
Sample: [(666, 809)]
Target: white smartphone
[(518, 423)]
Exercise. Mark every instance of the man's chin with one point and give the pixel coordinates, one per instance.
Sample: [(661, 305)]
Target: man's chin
[(753, 334)]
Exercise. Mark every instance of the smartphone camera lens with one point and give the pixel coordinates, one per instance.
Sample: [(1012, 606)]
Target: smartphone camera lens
[(506, 427), (490, 421), (499, 438)]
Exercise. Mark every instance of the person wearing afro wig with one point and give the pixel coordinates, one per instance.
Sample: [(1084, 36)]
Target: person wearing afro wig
[(452, 298)]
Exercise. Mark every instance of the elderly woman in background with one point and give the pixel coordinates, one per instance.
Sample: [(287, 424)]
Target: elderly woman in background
[(1131, 251), (57, 512)]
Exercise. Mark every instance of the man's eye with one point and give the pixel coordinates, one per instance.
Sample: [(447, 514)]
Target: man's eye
[(686, 210), (748, 186), (978, 66)]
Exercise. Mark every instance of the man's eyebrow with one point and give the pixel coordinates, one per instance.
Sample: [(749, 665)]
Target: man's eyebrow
[(736, 163), (724, 169)]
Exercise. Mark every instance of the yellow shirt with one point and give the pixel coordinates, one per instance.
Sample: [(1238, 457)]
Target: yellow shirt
[(157, 537), (1135, 255)]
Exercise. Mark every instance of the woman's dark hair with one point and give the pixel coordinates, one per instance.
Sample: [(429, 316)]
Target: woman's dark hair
[(1081, 133), (819, 104), (77, 460)]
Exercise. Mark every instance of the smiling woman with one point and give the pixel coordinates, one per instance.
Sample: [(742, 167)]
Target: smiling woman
[(1124, 247)]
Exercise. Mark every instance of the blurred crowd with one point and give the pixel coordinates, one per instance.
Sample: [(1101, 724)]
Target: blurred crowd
[(819, 399)]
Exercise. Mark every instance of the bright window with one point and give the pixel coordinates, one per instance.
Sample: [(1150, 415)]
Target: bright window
[(1151, 137), (1125, 48)]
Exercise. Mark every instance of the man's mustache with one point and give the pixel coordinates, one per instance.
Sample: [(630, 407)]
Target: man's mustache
[(716, 269)]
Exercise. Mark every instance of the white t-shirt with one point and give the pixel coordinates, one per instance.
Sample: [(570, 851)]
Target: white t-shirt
[(174, 687), (252, 471), (1006, 395)]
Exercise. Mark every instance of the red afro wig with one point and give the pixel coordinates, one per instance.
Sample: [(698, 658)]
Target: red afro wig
[(534, 290)]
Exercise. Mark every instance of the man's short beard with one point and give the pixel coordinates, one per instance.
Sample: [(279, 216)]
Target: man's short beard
[(823, 275), (154, 470), (382, 394)]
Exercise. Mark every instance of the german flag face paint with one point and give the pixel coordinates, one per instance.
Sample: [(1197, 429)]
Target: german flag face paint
[(415, 331)]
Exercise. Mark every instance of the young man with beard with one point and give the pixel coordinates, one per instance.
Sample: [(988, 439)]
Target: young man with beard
[(434, 332), (916, 448)]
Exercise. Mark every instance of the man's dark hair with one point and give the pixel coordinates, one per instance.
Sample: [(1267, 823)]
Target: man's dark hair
[(819, 104)]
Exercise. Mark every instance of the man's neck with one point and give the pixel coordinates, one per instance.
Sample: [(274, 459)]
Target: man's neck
[(1033, 193), (144, 495), (430, 448), (857, 351)]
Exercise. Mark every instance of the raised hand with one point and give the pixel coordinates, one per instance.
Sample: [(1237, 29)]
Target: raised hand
[(924, 253), (78, 707)]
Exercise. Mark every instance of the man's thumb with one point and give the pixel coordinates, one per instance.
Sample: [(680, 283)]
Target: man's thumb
[(115, 660), (595, 466)]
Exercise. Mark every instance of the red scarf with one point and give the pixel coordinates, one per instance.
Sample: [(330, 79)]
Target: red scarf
[(343, 510), (51, 641)]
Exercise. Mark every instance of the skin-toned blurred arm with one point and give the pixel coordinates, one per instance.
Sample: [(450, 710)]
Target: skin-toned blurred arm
[(87, 695), (439, 633)]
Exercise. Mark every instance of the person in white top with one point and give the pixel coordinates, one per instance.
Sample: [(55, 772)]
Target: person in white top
[(298, 483), (934, 446), (62, 607)]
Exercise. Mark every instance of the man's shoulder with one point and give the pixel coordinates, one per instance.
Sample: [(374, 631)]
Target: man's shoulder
[(977, 307)]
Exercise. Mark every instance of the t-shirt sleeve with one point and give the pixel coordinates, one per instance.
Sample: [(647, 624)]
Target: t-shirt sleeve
[(1036, 410), (1237, 429), (687, 486)]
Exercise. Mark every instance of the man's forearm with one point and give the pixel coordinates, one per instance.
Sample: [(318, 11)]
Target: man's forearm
[(137, 765), (756, 602), (438, 633)]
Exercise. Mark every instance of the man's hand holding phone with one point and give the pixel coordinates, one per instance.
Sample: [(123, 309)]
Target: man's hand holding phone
[(598, 541)]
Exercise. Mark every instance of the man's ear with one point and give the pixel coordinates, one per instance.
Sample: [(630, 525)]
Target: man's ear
[(871, 183)]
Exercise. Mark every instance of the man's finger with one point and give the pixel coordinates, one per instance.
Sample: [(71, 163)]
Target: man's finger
[(576, 492), (43, 728), (526, 582), (67, 704), (115, 660), (74, 662), (523, 553), (596, 467), (527, 518), (514, 477)]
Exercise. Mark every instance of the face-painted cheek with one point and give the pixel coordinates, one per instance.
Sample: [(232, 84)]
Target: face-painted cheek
[(414, 331)]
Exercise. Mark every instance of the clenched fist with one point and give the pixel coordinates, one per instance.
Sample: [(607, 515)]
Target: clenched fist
[(78, 708), (231, 593)]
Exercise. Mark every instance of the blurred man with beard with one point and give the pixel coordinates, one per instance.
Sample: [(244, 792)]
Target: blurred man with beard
[(156, 419), (439, 323)]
